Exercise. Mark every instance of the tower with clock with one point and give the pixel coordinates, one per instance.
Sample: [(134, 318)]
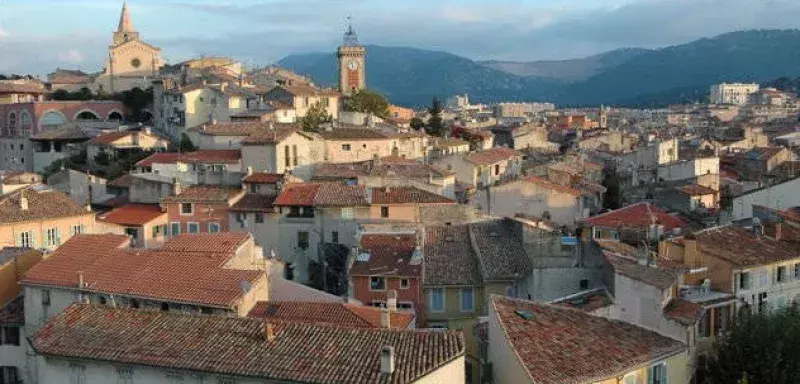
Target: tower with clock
[(352, 71)]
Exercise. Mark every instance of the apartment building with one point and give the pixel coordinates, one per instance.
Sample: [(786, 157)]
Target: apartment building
[(200, 209)]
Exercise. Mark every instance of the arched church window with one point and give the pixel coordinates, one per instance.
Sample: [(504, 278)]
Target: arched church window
[(12, 124), (26, 123), (53, 118)]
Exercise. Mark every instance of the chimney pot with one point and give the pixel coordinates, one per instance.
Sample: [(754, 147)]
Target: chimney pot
[(81, 283), (23, 202), (386, 318), (269, 332), (387, 360), (391, 300)]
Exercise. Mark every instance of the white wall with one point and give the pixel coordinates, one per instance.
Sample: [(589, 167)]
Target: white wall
[(781, 196), (641, 304), (506, 367)]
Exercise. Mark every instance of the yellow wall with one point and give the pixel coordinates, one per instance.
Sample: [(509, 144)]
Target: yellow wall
[(9, 234), (12, 271)]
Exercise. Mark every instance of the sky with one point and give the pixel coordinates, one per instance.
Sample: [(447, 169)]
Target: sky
[(36, 36)]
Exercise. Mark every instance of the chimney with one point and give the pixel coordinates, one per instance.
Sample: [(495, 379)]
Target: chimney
[(223, 86), (147, 131), (249, 171), (387, 360), (269, 332), (176, 186), (778, 231), (88, 206), (23, 202), (386, 318), (391, 301), (81, 283)]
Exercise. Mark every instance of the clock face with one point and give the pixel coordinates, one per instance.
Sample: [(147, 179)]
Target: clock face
[(352, 65), (136, 63)]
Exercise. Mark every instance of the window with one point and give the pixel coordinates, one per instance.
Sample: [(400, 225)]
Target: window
[(45, 297), (26, 240), (632, 378), (744, 280), (226, 380), (781, 274), (335, 237), (259, 218), (124, 375), (176, 229), (286, 157), (584, 284), (156, 231), (467, 300), (302, 240), (213, 227), (76, 230), (377, 283), (193, 227), (346, 147), (658, 374), (253, 188), (762, 302), (763, 278), (496, 169), (436, 299), (384, 212), (349, 214), (294, 155), (9, 375), (51, 237), (797, 271), (187, 208), (404, 284), (77, 374), (10, 335)]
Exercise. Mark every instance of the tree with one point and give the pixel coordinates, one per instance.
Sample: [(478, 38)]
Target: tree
[(613, 196), (315, 116), (759, 348), (417, 123), (435, 124), (186, 144), (61, 94), (136, 100), (366, 101)]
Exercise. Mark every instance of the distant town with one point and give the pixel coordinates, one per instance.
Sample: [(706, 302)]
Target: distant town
[(204, 222)]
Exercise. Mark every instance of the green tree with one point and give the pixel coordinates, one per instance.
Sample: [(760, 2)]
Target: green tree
[(136, 100), (759, 348), (366, 101), (61, 94), (416, 123), (186, 144), (315, 116), (613, 196), (435, 125)]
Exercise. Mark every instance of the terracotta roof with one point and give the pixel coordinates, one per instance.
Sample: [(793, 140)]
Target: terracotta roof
[(305, 353), (338, 314), (407, 169), (187, 271), (558, 345), (222, 242), (133, 214), (109, 137), (491, 156), (501, 253), (640, 215), (13, 312), (549, 185), (124, 181), (254, 202), (247, 128), (684, 312), (449, 257), (406, 195), (743, 248), (648, 274), (201, 156), (353, 134), (321, 194), (66, 132), (43, 204), (274, 136), (204, 193), (389, 255), (305, 89), (696, 190), (25, 88), (263, 178)]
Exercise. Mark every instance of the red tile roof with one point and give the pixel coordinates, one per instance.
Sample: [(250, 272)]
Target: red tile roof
[(696, 190), (202, 156), (549, 185), (43, 204), (223, 242), (640, 215), (743, 248), (389, 255), (263, 178), (492, 156), (450, 258), (300, 352), (109, 137), (253, 202), (133, 214), (406, 195), (558, 345), (322, 195), (684, 312), (278, 133), (338, 314), (177, 273), (205, 193)]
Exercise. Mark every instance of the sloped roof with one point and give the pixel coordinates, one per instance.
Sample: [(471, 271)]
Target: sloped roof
[(407, 195), (255, 202), (339, 314), (263, 178), (491, 156), (43, 204), (247, 128), (500, 252), (204, 193), (558, 345), (109, 137), (321, 194), (132, 214), (449, 257), (389, 255), (300, 352), (743, 248), (201, 156), (640, 215)]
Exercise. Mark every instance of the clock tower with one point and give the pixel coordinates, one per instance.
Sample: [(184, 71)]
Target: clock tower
[(352, 71)]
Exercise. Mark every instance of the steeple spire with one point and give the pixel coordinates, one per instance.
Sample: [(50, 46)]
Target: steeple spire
[(350, 38), (125, 24)]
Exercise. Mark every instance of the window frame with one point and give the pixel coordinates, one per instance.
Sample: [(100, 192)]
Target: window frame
[(407, 284), (346, 147), (172, 226), (191, 209), (461, 306), (378, 279), (259, 219), (189, 227), (431, 307), (216, 227), (385, 212)]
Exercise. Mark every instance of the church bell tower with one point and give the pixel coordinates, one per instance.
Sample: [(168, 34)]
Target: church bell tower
[(352, 71), (125, 31)]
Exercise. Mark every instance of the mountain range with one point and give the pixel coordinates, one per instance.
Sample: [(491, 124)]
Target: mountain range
[(630, 77)]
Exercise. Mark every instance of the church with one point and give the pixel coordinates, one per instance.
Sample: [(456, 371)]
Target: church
[(131, 62)]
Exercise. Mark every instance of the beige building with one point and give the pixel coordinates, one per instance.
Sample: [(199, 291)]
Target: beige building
[(301, 97), (523, 336), (734, 93), (484, 167), (284, 148), (131, 62), (113, 143), (180, 108), (41, 218)]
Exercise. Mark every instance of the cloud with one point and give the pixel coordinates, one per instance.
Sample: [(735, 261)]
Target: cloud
[(71, 56), (3, 33)]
